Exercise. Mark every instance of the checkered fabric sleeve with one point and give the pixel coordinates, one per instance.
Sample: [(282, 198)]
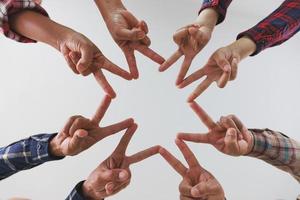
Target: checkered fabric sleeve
[(278, 27), (10, 7), (25, 154), (219, 5), (278, 150), (76, 193)]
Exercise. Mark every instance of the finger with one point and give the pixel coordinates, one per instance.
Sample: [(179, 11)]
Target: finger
[(200, 89), (242, 128), (234, 68), (117, 188), (109, 66), (187, 153), (192, 78), (204, 117), (180, 35), (112, 129), (198, 138), (101, 110), (200, 190), (168, 63), (100, 78), (146, 51), (146, 41), (77, 140), (182, 197), (225, 77), (228, 123), (142, 155), (222, 62), (231, 143), (86, 59), (80, 123), (184, 69), (131, 35), (174, 162), (185, 188), (143, 25), (115, 175), (71, 64), (66, 128), (131, 20), (122, 146), (129, 55)]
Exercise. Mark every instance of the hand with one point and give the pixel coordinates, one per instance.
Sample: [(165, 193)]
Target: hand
[(113, 174), (80, 133), (197, 182), (221, 67), (85, 58), (191, 40), (229, 135), (128, 32)]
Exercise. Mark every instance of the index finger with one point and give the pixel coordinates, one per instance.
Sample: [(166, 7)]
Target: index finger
[(101, 110), (146, 51), (187, 153), (168, 63), (142, 155), (174, 162), (204, 117), (123, 144)]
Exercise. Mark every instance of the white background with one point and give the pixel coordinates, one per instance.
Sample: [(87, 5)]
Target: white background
[(39, 93)]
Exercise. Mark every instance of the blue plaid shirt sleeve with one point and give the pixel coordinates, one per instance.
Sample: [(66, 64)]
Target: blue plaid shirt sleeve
[(278, 150), (76, 193), (25, 154)]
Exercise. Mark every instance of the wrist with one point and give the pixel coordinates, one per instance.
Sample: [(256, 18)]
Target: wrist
[(87, 192), (244, 47), (54, 147), (250, 142), (208, 18), (108, 7)]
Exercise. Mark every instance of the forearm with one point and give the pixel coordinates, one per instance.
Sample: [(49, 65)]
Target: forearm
[(243, 47), (277, 28), (220, 6), (208, 18), (277, 149), (25, 154), (106, 7), (40, 28)]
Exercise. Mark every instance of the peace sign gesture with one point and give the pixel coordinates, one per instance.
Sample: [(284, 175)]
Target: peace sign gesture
[(229, 135), (80, 133), (197, 182), (113, 174)]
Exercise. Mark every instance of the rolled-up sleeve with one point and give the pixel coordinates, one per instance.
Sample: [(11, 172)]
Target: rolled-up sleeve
[(220, 6), (277, 28), (10, 7)]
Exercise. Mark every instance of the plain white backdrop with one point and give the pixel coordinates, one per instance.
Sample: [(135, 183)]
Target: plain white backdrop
[(39, 93)]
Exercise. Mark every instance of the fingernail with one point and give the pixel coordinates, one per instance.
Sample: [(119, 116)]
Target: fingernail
[(123, 175), (227, 68), (195, 192)]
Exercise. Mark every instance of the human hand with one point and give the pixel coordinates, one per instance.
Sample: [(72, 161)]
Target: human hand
[(197, 182), (80, 133), (229, 135), (221, 67), (113, 174), (85, 58), (191, 40), (128, 32)]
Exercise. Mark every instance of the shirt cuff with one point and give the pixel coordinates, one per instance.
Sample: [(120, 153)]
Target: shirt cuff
[(8, 8), (39, 148), (76, 192), (219, 6)]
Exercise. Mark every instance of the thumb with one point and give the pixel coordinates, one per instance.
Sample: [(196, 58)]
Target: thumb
[(86, 59), (134, 34), (231, 143)]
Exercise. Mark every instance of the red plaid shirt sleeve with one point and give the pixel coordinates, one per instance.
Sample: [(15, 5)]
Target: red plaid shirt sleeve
[(278, 150), (219, 5), (278, 27), (10, 7)]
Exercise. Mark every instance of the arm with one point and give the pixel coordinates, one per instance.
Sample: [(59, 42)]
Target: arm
[(277, 149), (25, 154), (220, 6), (8, 9), (277, 28)]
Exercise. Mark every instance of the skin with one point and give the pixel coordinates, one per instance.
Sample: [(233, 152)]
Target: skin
[(80, 133), (197, 183), (113, 174), (73, 46), (128, 32), (229, 136)]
